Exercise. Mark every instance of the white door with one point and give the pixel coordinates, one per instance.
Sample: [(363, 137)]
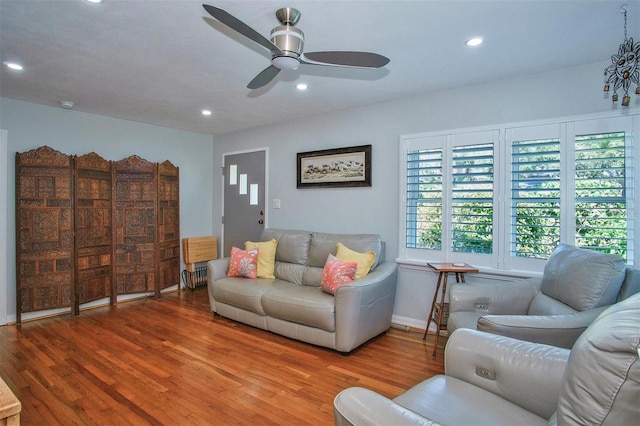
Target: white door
[(244, 213)]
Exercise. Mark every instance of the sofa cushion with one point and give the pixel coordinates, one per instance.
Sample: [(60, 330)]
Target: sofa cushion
[(243, 293), (583, 279), (631, 284), (266, 256), (293, 246), (451, 401), (291, 272), (312, 276), (602, 379), (300, 304), (545, 305)]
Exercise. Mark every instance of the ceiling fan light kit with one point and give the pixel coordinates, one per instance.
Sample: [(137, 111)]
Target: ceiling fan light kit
[(285, 62), (286, 46), (625, 67)]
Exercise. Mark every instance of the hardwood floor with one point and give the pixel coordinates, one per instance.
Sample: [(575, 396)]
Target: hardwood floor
[(169, 361)]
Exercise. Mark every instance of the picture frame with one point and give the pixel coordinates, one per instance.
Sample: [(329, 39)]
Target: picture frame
[(335, 168)]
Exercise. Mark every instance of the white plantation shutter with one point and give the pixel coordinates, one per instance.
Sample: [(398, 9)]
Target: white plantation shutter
[(505, 198)]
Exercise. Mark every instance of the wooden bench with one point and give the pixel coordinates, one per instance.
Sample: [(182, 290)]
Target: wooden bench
[(10, 406)]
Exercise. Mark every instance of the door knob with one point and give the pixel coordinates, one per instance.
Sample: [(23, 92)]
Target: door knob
[(260, 221)]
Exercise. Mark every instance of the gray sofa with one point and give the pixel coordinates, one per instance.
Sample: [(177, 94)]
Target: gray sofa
[(577, 285), (294, 305), (496, 380)]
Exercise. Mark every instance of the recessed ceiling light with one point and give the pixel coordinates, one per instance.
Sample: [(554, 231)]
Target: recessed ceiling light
[(93, 1), (301, 86), (206, 112), (476, 41), (14, 66)]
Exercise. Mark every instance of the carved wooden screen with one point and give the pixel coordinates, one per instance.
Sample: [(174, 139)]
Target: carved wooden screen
[(168, 225), (135, 221), (94, 240), (44, 230), (125, 216)]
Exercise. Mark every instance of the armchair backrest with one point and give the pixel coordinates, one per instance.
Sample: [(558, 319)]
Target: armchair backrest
[(631, 284), (582, 279), (602, 379)]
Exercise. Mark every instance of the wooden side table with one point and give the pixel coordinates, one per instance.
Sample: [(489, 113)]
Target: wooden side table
[(444, 269)]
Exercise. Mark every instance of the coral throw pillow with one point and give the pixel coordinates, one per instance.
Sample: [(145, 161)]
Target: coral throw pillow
[(337, 273), (243, 263), (266, 257), (365, 260)]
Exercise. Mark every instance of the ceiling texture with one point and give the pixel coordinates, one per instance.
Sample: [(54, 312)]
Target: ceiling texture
[(163, 61)]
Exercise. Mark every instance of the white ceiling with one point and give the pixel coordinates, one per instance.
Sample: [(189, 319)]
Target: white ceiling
[(162, 62)]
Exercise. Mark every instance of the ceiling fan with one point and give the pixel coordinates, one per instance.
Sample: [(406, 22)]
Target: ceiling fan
[(286, 46)]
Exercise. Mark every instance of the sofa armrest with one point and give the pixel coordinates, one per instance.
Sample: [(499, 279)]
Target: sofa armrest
[(364, 307), (216, 269), (527, 374), (556, 330), (359, 406), (494, 298)]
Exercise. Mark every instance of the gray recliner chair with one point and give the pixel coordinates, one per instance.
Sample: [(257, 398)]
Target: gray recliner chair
[(496, 380), (577, 285)]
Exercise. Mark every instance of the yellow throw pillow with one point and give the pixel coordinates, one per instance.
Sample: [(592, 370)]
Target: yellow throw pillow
[(266, 257), (365, 260)]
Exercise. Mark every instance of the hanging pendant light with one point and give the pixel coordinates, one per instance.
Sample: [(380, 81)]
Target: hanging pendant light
[(625, 68)]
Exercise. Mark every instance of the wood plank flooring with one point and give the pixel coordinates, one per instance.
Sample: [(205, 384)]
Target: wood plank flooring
[(170, 362)]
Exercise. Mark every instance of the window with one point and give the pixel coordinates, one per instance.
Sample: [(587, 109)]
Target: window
[(472, 199), (505, 198), (535, 197), (424, 199), (600, 196), (450, 177)]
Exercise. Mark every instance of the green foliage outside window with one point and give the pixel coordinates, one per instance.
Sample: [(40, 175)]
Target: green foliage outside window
[(600, 204)]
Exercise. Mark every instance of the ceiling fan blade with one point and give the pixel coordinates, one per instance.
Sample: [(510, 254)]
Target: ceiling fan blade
[(262, 79), (345, 59), (239, 26)]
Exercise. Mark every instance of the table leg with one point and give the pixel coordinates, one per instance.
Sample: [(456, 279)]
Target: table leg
[(440, 312), (433, 304)]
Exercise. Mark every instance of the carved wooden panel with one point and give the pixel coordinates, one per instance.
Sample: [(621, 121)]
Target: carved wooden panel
[(94, 239), (44, 230), (89, 229), (168, 225), (135, 213)]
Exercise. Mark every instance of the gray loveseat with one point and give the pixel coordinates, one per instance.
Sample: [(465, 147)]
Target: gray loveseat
[(294, 305)]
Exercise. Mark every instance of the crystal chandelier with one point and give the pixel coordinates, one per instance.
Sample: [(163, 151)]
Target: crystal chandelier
[(624, 68)]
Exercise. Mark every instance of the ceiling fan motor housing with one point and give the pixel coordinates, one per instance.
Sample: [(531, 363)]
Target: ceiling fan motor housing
[(290, 40)]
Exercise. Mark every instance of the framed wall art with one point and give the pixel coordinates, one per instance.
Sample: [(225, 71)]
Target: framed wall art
[(330, 168)]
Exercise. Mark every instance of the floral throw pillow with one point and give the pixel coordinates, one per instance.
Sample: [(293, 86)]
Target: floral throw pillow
[(243, 263), (337, 273)]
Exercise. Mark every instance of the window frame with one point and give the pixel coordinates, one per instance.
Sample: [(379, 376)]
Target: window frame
[(565, 130)]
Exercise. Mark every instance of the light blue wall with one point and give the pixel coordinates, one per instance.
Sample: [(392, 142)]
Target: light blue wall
[(375, 210), (569, 92), (557, 94), (71, 132)]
